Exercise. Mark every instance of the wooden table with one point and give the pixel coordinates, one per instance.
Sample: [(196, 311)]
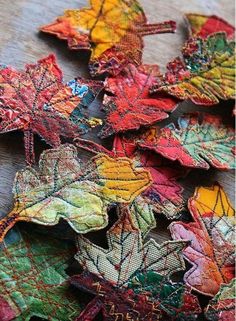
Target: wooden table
[(20, 43)]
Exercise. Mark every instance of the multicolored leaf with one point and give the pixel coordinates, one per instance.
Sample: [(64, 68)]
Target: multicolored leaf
[(212, 247), (206, 73), (79, 193), (33, 281), (195, 143), (129, 104), (202, 26), (37, 101), (164, 195), (222, 306), (108, 272), (111, 29)]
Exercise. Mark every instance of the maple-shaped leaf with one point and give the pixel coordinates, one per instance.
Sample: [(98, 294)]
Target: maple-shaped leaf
[(174, 299), (195, 143), (206, 73), (108, 272), (111, 29), (202, 26), (212, 248), (37, 101), (79, 193), (164, 195), (33, 281), (129, 104), (222, 306)]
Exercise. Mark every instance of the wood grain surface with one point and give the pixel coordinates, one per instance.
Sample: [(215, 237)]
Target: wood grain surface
[(21, 43)]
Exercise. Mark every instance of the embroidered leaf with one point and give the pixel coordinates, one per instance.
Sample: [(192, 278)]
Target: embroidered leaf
[(206, 73), (211, 251), (222, 306), (174, 299), (129, 104), (194, 143), (62, 188), (108, 272), (202, 26), (111, 29), (37, 101), (164, 194), (32, 278)]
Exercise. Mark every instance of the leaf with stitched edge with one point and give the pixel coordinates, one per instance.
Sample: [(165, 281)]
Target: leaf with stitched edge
[(37, 101), (33, 281), (111, 29), (194, 143), (78, 193), (222, 306), (212, 247), (107, 272), (129, 104), (202, 26), (206, 73), (164, 194)]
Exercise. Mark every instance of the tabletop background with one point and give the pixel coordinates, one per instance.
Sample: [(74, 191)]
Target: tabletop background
[(21, 43)]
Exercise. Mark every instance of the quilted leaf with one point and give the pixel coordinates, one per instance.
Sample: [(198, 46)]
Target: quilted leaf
[(222, 306), (206, 73), (63, 188), (194, 143), (129, 104), (202, 26), (108, 272), (37, 101), (212, 248), (111, 29), (32, 278), (164, 194)]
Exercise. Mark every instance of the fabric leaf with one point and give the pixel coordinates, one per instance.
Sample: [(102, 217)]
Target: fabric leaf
[(202, 26), (32, 278), (194, 143), (108, 272), (111, 29), (212, 247), (129, 104), (206, 73), (65, 188), (37, 101), (222, 306), (164, 194)]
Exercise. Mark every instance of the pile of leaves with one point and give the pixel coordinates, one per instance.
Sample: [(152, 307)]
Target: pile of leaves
[(48, 274)]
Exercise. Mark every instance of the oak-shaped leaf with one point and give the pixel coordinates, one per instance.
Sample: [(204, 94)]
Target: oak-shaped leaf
[(37, 101), (205, 75), (108, 272), (164, 195), (222, 306), (202, 26), (79, 193), (33, 281), (196, 142), (212, 248), (129, 105), (111, 29)]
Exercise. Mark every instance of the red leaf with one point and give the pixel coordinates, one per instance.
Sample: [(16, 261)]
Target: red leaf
[(37, 101), (129, 104)]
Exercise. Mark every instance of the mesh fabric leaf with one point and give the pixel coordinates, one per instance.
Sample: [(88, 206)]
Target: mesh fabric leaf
[(37, 101), (206, 73), (129, 104), (111, 29), (212, 247), (194, 143), (33, 281), (63, 188)]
